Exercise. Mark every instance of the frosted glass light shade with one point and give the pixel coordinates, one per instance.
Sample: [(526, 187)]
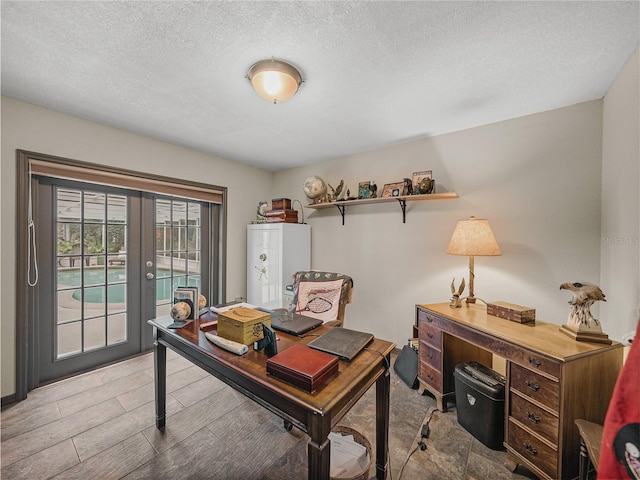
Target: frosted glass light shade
[(274, 80)]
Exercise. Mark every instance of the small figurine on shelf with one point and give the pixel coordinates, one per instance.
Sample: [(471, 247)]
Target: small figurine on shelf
[(426, 185), (373, 190), (261, 212), (408, 187), (338, 192), (423, 182)]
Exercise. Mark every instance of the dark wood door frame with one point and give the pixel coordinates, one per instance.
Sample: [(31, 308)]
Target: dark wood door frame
[(26, 296)]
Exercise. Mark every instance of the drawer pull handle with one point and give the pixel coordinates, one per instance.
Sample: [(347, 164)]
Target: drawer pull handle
[(533, 386), (429, 356), (534, 362), (429, 319), (530, 449), (430, 377), (429, 334), (533, 417)]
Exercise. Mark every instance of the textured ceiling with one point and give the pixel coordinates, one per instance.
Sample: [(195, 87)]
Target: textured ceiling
[(376, 73)]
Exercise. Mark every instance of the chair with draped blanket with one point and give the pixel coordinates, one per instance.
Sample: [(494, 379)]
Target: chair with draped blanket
[(322, 295)]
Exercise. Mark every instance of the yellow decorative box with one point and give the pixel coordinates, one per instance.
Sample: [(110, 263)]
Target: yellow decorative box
[(242, 325)]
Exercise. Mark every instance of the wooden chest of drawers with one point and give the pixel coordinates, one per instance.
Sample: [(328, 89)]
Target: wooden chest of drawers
[(551, 379)]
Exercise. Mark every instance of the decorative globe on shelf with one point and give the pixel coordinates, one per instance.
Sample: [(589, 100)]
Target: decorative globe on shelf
[(180, 311), (315, 188), (202, 301)]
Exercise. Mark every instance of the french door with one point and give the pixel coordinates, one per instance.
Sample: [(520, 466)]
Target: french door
[(110, 259)]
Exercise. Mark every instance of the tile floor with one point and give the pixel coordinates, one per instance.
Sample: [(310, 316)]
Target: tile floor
[(101, 425)]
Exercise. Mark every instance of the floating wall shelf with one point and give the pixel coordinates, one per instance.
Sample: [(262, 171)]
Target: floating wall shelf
[(342, 205)]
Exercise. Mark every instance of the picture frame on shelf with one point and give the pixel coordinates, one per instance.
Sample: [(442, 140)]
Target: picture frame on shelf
[(393, 190), (416, 180), (363, 190), (417, 177)]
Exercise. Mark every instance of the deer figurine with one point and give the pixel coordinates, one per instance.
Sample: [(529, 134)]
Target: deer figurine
[(456, 301)]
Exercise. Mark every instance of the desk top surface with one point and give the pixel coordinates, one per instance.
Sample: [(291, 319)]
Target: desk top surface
[(537, 336), (352, 376)]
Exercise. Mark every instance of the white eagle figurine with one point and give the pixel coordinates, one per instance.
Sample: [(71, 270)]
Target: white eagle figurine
[(584, 295)]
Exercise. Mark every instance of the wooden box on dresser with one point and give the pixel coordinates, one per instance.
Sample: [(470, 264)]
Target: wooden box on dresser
[(551, 379)]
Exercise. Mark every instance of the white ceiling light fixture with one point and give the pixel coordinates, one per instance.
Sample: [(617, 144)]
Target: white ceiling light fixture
[(274, 80)]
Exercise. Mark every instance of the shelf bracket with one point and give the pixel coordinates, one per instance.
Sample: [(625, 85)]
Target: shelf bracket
[(403, 206), (341, 209)]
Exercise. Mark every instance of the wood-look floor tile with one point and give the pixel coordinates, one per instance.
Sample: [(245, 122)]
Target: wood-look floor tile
[(103, 436), (192, 419), (43, 464), (29, 443), (113, 463), (146, 393), (290, 466), (220, 434), (96, 395), (125, 368), (258, 434), (196, 391), (15, 425), (195, 457), (175, 364), (52, 393)]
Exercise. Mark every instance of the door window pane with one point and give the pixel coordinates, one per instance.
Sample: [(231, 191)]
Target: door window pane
[(94, 333), (91, 229), (178, 249), (69, 339), (117, 328)]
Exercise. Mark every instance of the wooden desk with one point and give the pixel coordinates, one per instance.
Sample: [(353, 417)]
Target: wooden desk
[(551, 380), (314, 414)]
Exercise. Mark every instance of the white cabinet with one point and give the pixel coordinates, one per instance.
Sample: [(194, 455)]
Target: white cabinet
[(275, 251)]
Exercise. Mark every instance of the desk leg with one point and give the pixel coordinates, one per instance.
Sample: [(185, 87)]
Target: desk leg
[(383, 386), (160, 374), (319, 447)]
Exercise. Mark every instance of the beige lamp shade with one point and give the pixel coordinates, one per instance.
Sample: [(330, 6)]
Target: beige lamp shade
[(473, 237), (274, 80)]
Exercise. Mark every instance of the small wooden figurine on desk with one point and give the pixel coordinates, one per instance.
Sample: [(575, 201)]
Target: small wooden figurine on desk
[(581, 325), (456, 301)]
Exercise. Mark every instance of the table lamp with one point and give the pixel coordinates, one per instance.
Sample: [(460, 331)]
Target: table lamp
[(473, 237)]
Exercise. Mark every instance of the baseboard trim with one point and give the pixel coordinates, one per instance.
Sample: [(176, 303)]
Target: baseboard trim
[(8, 400)]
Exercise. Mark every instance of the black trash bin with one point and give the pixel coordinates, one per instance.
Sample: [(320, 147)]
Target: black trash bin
[(480, 402)]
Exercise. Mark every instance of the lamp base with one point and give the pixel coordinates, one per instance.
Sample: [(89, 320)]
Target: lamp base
[(585, 336), (472, 300)]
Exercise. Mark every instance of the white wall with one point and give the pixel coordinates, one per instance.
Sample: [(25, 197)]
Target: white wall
[(620, 274), (537, 180), (40, 130)]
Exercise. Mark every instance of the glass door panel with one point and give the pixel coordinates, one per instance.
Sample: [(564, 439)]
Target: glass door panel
[(111, 259), (178, 249), (91, 279)]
